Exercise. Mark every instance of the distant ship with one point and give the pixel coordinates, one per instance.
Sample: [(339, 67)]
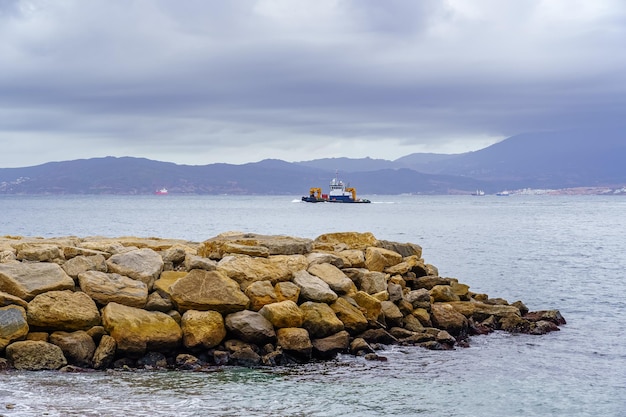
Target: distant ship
[(503, 193), (479, 192), (339, 193), (162, 191)]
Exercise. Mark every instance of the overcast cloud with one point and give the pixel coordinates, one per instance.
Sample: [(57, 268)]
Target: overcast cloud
[(198, 82)]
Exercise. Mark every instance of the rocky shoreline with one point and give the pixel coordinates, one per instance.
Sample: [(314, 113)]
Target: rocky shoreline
[(236, 299)]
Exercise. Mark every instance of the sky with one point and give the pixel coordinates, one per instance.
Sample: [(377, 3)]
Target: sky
[(205, 81)]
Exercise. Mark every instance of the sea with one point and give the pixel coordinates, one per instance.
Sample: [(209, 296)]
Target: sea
[(551, 252)]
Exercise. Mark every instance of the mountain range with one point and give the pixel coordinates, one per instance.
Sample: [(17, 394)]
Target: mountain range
[(545, 160)]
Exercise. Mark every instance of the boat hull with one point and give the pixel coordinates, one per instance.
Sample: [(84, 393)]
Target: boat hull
[(323, 200)]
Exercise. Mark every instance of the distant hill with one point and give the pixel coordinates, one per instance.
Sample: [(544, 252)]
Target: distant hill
[(545, 160), (128, 175), (537, 160)]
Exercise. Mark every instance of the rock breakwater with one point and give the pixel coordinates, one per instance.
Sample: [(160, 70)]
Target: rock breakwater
[(236, 299)]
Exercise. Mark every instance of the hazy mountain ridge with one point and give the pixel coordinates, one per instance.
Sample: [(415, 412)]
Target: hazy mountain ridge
[(537, 160)]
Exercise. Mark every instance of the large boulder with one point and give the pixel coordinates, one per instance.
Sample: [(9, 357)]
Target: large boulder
[(407, 265), (320, 320), (330, 346), (429, 281), (418, 298), (553, 316), (198, 262), (336, 280), (443, 293), (261, 293), (481, 311), (246, 356), (105, 352), (7, 299), (105, 288), (13, 325), (295, 342), (325, 258), (208, 290), (462, 290), (71, 252), (78, 347), (254, 245), (128, 243), (30, 355), (395, 290), (353, 319), (143, 264), (39, 252), (345, 240), (174, 256), (158, 302), (75, 266), (26, 280), (246, 269), (167, 279), (287, 291), (107, 247), (63, 310), (371, 305), (352, 258), (250, 327), (283, 314), (423, 316), (136, 331), (377, 259), (404, 249), (372, 282), (313, 288), (202, 329), (445, 317), (392, 314)]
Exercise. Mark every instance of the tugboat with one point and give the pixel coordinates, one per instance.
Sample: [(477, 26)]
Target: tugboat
[(339, 193), (162, 191)]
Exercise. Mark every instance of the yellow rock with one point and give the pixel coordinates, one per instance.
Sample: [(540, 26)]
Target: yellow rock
[(283, 314), (377, 259), (353, 258), (320, 320), (352, 317), (136, 331), (166, 279), (246, 269), (204, 329), (371, 305), (208, 290), (253, 244), (63, 310), (287, 291), (261, 293), (346, 240)]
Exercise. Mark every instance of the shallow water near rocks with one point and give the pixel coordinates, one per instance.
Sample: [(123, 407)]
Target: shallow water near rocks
[(551, 252)]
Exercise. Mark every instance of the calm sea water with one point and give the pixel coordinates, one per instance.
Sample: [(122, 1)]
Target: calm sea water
[(563, 253)]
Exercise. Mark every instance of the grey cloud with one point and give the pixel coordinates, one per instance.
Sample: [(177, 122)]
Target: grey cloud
[(122, 75)]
